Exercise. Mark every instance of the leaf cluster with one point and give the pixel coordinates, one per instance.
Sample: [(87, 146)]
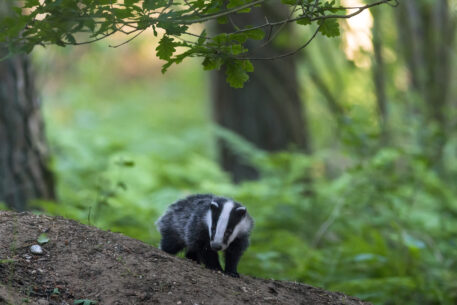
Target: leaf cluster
[(75, 22)]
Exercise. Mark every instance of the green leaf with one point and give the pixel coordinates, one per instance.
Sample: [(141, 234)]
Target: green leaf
[(239, 37), (304, 21), (129, 2), (31, 3), (222, 20), (154, 4), (166, 66), (143, 23), (220, 39), (122, 13), (248, 66), (17, 10), (43, 238), (90, 24), (172, 28), (210, 63), (289, 2), (202, 38), (13, 25), (236, 3), (102, 28), (71, 39), (166, 48), (199, 3), (329, 27), (236, 72), (256, 34), (237, 49)]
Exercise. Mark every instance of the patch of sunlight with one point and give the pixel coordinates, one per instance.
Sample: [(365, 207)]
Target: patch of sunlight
[(357, 43)]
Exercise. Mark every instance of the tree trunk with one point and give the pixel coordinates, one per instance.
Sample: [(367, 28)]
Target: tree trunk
[(268, 111), (427, 35), (24, 174), (379, 75)]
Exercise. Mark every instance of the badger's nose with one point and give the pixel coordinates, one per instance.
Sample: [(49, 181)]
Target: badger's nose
[(216, 246)]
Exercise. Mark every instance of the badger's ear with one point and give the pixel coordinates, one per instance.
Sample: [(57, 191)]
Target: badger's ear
[(214, 205), (241, 211)]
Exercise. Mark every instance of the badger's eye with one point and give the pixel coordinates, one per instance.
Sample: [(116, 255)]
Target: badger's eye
[(214, 206)]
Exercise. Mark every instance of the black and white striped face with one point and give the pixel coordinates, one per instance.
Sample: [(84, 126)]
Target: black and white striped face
[(226, 220)]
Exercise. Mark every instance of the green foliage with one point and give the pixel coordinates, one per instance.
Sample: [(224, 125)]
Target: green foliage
[(329, 28), (70, 22), (42, 238), (166, 48), (237, 72)]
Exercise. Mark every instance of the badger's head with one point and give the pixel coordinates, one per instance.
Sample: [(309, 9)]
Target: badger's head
[(226, 220)]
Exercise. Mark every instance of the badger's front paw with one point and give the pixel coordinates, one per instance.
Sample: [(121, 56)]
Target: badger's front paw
[(232, 274)]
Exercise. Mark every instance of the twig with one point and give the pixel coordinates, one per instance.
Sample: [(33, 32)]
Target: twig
[(128, 40), (190, 6), (220, 14), (93, 40), (273, 35), (286, 54), (359, 10)]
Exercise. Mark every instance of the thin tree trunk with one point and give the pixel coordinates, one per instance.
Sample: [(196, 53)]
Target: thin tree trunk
[(379, 76), (332, 102), (24, 174), (267, 112)]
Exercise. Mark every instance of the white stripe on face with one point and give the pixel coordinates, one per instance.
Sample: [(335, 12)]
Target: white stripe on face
[(222, 222), (241, 227), (209, 221)]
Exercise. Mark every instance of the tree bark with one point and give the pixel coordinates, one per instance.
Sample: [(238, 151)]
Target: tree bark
[(24, 174), (268, 111)]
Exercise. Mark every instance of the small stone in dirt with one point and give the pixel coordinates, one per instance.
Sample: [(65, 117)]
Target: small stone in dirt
[(179, 302), (42, 302), (244, 289), (36, 249)]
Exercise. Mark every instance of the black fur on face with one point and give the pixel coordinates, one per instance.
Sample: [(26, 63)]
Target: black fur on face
[(235, 217), (215, 213)]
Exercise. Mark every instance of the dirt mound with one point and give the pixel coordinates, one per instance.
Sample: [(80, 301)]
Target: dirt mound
[(84, 263)]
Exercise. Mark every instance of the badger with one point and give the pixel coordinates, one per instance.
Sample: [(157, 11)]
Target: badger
[(204, 224)]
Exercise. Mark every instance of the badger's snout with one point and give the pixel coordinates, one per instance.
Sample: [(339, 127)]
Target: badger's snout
[(216, 246)]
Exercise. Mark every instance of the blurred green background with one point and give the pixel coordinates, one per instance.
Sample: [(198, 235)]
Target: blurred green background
[(372, 212)]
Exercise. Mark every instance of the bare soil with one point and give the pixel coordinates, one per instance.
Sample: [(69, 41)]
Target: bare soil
[(82, 262)]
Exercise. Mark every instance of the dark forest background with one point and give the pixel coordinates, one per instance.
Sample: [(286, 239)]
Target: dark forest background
[(345, 154)]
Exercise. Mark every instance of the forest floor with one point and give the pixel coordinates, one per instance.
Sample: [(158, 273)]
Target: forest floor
[(80, 262)]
